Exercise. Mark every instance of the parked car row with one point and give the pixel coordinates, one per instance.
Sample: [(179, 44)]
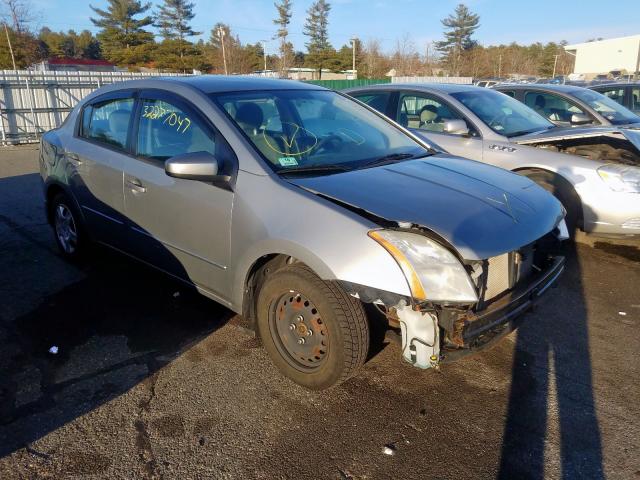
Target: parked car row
[(314, 215), (593, 171)]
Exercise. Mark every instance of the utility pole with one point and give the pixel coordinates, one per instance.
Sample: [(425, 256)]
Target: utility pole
[(13, 59), (555, 63), (353, 56), (264, 52), (500, 66), (224, 56), (636, 74)]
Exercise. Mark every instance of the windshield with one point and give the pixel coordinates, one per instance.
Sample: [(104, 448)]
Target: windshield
[(605, 106), (501, 113), (304, 129)]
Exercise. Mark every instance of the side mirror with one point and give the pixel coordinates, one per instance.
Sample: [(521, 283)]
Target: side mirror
[(580, 119), (193, 166), (456, 127)]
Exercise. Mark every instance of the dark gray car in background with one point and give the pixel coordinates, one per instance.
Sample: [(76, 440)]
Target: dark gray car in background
[(296, 206), (570, 105), (626, 94)]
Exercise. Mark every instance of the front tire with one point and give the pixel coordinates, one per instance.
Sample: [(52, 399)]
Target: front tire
[(314, 332), (68, 229)]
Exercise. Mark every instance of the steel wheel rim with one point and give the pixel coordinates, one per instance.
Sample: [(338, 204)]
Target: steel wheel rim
[(66, 230), (298, 331)]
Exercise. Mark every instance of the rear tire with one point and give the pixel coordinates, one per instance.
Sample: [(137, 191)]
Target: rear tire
[(564, 192), (68, 229), (314, 332)]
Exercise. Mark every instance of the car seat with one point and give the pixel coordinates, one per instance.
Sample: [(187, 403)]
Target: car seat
[(119, 126)]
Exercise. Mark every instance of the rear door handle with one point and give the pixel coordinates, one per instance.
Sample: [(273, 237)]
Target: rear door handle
[(136, 185)]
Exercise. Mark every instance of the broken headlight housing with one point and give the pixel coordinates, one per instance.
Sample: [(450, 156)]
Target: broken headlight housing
[(432, 271), (621, 178)]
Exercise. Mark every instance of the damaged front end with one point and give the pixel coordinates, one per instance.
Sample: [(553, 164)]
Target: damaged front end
[(506, 286), (604, 144)]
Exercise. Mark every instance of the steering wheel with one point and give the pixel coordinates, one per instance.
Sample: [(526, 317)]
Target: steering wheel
[(330, 143), (498, 119)]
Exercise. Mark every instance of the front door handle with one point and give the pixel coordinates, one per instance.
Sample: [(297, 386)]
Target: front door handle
[(136, 185), (73, 158)]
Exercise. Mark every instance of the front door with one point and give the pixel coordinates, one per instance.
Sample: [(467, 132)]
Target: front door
[(426, 115), (181, 226)]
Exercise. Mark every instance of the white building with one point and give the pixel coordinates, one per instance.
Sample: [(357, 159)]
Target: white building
[(603, 56)]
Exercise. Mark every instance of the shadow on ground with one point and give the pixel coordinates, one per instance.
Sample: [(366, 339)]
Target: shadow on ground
[(113, 329)]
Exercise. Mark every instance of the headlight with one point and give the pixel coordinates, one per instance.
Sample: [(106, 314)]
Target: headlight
[(432, 271), (621, 178)]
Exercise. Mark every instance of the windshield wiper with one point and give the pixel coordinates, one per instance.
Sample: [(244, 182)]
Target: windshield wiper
[(318, 169), (391, 158)]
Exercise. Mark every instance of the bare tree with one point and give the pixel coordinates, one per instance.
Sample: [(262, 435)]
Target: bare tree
[(17, 13), (405, 58)]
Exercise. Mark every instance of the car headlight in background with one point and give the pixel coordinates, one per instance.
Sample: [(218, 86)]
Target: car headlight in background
[(621, 178), (432, 271)]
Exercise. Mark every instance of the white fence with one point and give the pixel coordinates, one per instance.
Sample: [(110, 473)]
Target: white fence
[(456, 80), (33, 102)]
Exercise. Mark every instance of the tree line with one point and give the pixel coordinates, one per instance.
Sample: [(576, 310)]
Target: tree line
[(124, 37)]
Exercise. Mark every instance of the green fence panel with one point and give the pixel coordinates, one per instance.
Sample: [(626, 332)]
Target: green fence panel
[(340, 84)]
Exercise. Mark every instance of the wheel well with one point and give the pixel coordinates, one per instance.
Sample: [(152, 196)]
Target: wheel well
[(258, 273), (559, 183), (52, 191)]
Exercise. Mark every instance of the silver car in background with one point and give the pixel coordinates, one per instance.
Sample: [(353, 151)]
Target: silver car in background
[(594, 171), (296, 206)]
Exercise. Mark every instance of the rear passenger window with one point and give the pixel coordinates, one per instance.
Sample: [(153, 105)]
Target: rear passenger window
[(510, 93), (108, 121), (166, 130), (635, 99), (378, 100)]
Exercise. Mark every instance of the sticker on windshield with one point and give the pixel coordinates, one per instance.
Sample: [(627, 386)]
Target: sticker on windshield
[(287, 161)]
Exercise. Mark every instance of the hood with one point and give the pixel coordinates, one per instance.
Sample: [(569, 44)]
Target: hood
[(631, 133), (482, 211)]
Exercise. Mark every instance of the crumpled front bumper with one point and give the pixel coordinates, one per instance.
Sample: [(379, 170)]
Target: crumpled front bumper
[(477, 331)]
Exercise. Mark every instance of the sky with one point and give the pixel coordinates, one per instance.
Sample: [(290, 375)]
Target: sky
[(501, 21)]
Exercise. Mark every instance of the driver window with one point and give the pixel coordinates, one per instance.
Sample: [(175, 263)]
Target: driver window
[(552, 107), (166, 130), (424, 112)]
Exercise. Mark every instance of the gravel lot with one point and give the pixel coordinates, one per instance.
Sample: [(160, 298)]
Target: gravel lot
[(152, 381)]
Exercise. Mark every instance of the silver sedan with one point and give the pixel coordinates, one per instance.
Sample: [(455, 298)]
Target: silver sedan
[(296, 206), (592, 170)]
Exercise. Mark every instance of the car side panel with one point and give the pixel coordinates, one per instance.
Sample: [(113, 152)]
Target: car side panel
[(271, 216)]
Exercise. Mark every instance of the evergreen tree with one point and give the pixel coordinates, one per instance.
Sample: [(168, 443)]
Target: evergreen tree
[(123, 38), (283, 20), (459, 27), (316, 28), (173, 20)]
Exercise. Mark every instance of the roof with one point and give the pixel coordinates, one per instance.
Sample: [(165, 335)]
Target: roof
[(629, 38), (223, 83), (78, 61), (443, 87), (538, 86), (616, 84)]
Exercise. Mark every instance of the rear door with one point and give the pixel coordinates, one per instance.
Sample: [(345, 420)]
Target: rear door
[(181, 226), (95, 159), (425, 114)]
